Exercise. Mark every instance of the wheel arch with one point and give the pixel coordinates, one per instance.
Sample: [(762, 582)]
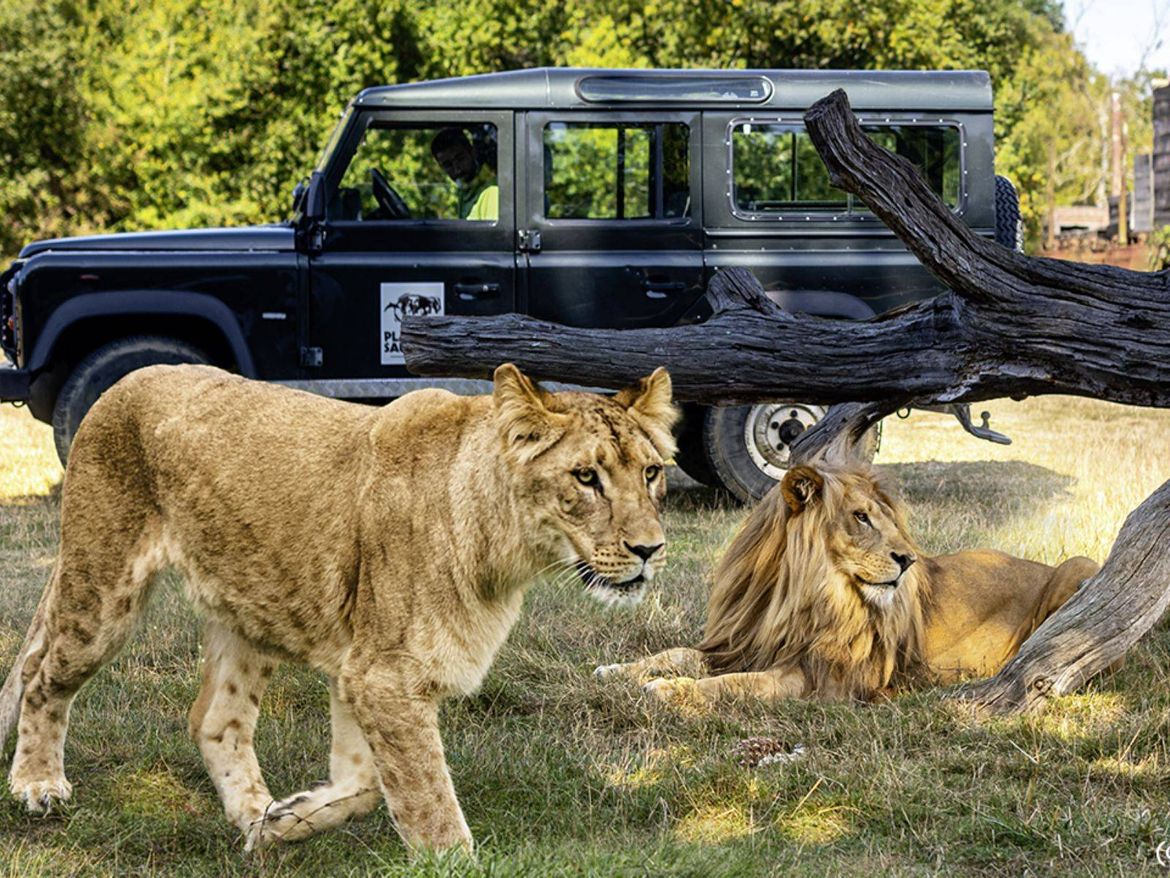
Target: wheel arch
[(86, 322)]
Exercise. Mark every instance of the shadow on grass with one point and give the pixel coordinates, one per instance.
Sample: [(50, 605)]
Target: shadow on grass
[(988, 484), (994, 491)]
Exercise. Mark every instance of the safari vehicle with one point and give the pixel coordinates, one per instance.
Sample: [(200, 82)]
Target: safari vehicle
[(595, 198)]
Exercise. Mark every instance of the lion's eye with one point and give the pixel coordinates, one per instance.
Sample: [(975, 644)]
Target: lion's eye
[(862, 517), (586, 476), (652, 472)]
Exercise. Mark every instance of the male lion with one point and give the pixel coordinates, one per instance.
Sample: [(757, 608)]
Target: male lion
[(823, 594), (389, 548)]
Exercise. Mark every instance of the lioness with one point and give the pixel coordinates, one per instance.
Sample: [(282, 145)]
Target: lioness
[(822, 593), (389, 548)]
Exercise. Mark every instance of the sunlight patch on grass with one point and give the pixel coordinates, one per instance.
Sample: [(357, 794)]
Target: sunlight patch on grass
[(817, 822), (1074, 471), (714, 824), (1080, 715), (29, 465), (651, 770), (30, 858), (152, 793), (638, 778), (1149, 767)]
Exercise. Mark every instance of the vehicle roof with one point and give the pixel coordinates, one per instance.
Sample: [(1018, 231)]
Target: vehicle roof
[(559, 88)]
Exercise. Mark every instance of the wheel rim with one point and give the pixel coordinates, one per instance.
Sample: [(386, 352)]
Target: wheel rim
[(771, 429)]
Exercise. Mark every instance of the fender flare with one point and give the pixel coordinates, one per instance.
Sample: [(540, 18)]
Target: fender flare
[(125, 303)]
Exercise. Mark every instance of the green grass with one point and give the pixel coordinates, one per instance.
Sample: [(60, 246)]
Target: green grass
[(560, 775)]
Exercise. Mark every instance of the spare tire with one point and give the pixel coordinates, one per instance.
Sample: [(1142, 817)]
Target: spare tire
[(1009, 230)]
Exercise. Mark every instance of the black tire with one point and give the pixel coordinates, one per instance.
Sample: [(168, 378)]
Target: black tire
[(1009, 230), (691, 455), (747, 463), (101, 369)]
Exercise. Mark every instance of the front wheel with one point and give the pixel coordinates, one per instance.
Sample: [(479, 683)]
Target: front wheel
[(749, 446), (101, 369)]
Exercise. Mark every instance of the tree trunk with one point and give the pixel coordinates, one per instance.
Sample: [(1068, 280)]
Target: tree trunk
[(1098, 624), (1008, 326)]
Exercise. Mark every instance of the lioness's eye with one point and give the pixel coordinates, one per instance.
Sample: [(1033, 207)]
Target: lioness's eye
[(862, 517), (586, 476), (652, 472)]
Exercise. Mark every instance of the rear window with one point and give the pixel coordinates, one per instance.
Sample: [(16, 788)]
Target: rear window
[(776, 168)]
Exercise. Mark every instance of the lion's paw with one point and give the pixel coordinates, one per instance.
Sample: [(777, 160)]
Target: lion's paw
[(678, 691), (40, 796), (603, 672)]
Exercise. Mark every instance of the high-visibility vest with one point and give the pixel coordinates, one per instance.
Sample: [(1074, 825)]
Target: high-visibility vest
[(487, 206)]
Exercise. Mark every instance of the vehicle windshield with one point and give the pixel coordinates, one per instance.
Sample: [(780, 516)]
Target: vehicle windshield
[(331, 144)]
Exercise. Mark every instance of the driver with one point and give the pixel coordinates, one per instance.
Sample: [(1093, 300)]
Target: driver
[(475, 180)]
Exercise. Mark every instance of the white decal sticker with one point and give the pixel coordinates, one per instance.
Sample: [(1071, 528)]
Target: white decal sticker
[(400, 301)]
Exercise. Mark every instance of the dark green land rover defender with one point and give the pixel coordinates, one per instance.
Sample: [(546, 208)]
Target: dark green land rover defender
[(600, 198)]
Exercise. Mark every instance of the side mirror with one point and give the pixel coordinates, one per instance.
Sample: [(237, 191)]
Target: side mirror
[(298, 194)]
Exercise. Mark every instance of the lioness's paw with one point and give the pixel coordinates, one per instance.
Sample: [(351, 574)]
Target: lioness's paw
[(288, 819), (40, 796), (276, 825), (679, 691)]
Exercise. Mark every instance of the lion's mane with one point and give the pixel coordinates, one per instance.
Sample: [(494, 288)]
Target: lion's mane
[(779, 599)]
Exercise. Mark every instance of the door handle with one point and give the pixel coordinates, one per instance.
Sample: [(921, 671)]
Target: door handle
[(660, 289), (470, 292)]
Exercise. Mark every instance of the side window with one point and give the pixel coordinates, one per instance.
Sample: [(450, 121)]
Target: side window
[(776, 168), (421, 171), (624, 171)]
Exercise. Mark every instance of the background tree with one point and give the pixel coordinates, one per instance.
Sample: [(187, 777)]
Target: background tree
[(170, 113)]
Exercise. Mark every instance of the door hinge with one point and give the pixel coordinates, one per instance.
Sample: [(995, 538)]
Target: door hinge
[(316, 237), (528, 240), (312, 358)]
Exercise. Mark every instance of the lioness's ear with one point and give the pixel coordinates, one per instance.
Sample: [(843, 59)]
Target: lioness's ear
[(801, 484), (648, 403), (526, 424)]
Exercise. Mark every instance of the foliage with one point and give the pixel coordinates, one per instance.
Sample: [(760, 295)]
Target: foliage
[(1159, 248), (168, 113)]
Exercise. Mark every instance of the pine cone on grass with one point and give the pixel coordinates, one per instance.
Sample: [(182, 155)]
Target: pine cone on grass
[(758, 752)]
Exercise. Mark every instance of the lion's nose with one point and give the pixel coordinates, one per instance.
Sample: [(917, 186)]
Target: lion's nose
[(903, 561), (644, 552)]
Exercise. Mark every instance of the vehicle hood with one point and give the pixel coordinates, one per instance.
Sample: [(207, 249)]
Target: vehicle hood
[(244, 238)]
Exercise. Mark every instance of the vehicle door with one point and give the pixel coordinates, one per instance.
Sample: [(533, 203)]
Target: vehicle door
[(609, 228), (419, 219)]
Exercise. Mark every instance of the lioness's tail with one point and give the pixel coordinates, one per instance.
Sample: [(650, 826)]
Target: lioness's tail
[(14, 685)]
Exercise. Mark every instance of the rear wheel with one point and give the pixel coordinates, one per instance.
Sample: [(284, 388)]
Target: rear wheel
[(101, 369), (748, 446)]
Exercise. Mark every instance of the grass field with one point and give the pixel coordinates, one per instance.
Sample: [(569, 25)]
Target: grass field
[(561, 775)]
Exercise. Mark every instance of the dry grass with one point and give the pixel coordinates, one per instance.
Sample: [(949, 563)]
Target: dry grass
[(560, 775)]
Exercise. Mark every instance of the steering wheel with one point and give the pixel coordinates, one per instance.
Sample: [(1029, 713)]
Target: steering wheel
[(389, 200)]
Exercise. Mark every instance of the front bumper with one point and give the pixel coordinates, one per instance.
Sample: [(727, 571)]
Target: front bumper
[(14, 384)]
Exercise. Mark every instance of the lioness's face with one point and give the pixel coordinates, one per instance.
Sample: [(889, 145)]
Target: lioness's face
[(865, 537), (591, 470)]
